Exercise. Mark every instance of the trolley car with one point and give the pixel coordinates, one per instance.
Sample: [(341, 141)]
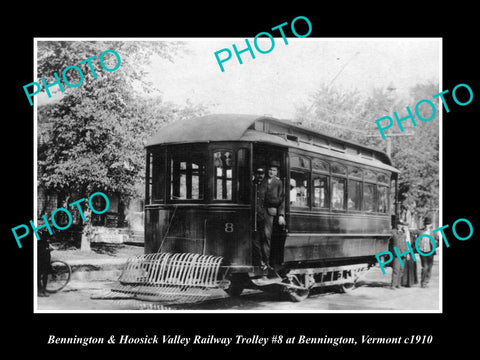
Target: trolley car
[(340, 198)]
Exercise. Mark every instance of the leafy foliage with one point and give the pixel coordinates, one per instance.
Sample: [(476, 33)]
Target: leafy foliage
[(348, 115), (417, 156), (96, 132)]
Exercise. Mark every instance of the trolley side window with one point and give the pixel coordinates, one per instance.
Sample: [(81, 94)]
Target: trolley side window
[(369, 197), (338, 186), (320, 183), (382, 199), (300, 181), (393, 195), (320, 191), (355, 177), (383, 193), (354, 201), (339, 169), (320, 165), (338, 193), (299, 185), (158, 176), (299, 162), (187, 172)]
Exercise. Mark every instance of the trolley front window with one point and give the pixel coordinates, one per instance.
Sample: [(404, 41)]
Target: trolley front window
[(187, 174), (223, 164)]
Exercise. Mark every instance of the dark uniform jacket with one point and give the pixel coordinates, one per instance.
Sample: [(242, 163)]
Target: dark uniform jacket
[(274, 198), (399, 240)]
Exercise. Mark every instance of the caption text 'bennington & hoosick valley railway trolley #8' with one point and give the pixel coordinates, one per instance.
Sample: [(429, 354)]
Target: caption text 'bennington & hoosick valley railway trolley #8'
[(200, 210)]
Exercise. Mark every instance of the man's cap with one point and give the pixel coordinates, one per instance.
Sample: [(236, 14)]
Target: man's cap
[(260, 171)]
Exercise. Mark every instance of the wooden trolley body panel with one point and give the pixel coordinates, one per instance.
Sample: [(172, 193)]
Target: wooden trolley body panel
[(218, 230), (202, 229), (327, 236)]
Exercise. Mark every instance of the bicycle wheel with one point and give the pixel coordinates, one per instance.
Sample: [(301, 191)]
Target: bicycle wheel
[(59, 276)]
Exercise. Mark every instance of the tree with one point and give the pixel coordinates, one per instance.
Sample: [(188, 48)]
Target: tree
[(97, 131), (417, 156), (347, 115), (333, 112)]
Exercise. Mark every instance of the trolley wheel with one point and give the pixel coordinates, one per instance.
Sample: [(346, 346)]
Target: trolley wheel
[(59, 276), (235, 289), (298, 295), (347, 287), (350, 284)]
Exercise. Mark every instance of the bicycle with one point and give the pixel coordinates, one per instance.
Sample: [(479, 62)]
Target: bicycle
[(58, 276)]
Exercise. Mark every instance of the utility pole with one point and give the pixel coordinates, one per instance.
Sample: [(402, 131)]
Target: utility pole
[(389, 146), (388, 140)]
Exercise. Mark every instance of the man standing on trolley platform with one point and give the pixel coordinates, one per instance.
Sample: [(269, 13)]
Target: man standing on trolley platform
[(270, 206)]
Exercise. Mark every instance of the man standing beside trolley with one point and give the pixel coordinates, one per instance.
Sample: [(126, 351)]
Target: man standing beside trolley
[(425, 247), (399, 240)]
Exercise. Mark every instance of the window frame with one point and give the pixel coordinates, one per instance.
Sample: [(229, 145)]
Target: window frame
[(340, 176), (314, 170), (375, 202), (302, 170), (340, 165), (189, 174), (240, 179), (233, 179), (242, 176), (306, 158), (344, 181), (175, 150), (355, 174), (348, 173), (387, 196), (360, 193), (309, 186), (327, 176), (149, 176)]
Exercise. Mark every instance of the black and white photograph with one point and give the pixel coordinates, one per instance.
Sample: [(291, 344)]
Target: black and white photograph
[(225, 180), (264, 185)]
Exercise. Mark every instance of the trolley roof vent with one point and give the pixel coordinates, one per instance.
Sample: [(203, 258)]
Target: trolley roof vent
[(285, 136)]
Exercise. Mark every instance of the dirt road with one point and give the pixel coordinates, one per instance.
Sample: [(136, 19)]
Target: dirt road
[(372, 294)]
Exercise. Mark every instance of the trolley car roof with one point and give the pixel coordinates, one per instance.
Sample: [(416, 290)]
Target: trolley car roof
[(218, 127), (265, 129)]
